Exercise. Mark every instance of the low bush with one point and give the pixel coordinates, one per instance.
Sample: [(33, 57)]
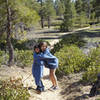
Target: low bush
[(23, 44), (71, 59), (94, 66), (3, 57), (23, 57), (1, 60), (13, 90), (69, 40)]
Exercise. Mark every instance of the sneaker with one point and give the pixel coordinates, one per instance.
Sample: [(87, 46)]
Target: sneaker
[(51, 88), (55, 88), (38, 91)]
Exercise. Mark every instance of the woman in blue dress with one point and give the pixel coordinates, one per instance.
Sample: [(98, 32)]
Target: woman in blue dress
[(52, 64)]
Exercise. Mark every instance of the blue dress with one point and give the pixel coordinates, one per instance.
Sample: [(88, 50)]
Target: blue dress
[(50, 61)]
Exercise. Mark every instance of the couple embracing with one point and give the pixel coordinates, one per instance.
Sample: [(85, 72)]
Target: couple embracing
[(43, 57)]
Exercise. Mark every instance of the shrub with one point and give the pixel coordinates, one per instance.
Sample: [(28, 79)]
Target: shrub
[(91, 74), (1, 60), (71, 59), (23, 57), (13, 90), (69, 40), (94, 66), (3, 57), (23, 44)]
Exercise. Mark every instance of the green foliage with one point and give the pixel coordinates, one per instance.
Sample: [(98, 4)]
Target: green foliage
[(96, 5), (23, 58), (78, 5), (69, 40), (23, 45), (82, 19), (50, 11), (94, 66), (69, 15), (3, 58), (33, 4), (13, 90), (19, 13), (71, 59), (91, 74), (25, 14), (59, 6)]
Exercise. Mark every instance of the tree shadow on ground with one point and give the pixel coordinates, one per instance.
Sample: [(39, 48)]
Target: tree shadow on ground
[(73, 91), (85, 33), (79, 34), (50, 38), (82, 97), (74, 87), (51, 32)]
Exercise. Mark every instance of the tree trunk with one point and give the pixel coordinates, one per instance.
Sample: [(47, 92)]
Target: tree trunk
[(48, 21), (42, 21), (89, 9), (42, 18), (9, 44)]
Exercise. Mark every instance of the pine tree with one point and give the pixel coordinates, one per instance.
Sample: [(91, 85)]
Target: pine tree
[(12, 12), (69, 16), (78, 5), (74, 14), (49, 11), (41, 12), (81, 14), (96, 6), (59, 6)]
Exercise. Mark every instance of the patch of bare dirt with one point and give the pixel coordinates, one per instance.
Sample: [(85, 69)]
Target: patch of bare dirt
[(74, 89), (70, 87)]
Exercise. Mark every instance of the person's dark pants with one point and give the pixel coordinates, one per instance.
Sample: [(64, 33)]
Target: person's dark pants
[(40, 87)]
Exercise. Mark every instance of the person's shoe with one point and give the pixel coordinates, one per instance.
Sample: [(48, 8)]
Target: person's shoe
[(51, 88), (38, 91), (55, 88)]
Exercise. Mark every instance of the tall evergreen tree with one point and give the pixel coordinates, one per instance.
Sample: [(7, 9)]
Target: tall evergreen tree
[(87, 7), (78, 5), (12, 12), (68, 21), (41, 12), (49, 11), (96, 6), (81, 14), (59, 6)]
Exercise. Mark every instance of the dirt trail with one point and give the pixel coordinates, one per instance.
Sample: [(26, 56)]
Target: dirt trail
[(15, 72), (69, 86)]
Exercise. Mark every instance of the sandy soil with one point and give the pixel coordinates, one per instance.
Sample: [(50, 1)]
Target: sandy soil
[(70, 87)]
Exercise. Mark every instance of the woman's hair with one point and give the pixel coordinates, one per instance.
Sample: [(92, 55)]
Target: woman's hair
[(42, 43), (36, 46)]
